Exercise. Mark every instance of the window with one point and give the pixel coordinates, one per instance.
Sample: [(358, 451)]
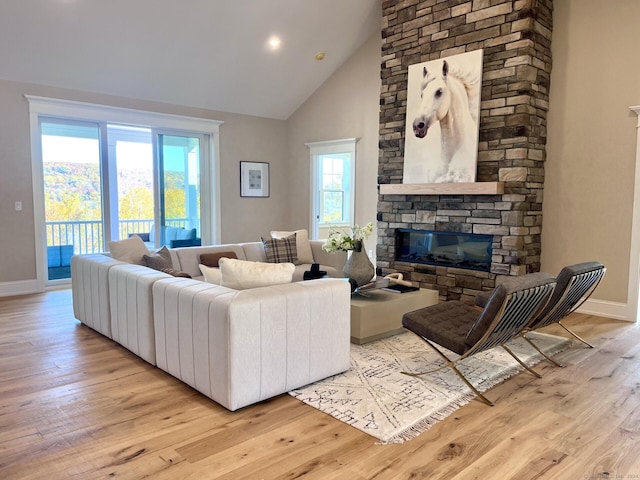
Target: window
[(334, 189), (333, 180)]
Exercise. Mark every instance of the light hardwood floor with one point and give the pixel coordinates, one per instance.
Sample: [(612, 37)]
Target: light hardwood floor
[(74, 404)]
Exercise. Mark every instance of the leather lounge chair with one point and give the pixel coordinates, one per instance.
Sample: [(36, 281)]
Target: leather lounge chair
[(574, 285), (465, 330)]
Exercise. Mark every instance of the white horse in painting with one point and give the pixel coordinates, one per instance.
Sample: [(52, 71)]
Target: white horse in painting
[(445, 98)]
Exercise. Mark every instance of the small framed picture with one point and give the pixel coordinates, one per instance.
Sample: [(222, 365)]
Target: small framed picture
[(254, 179)]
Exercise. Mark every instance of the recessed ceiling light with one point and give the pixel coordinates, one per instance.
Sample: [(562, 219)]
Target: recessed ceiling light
[(274, 43), (319, 56)]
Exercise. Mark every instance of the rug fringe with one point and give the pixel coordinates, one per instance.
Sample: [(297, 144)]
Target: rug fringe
[(428, 422)]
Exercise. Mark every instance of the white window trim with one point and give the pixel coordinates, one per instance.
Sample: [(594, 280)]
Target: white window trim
[(345, 145), (210, 192)]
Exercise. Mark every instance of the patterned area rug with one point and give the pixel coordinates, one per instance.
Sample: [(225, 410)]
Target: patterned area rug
[(373, 396)]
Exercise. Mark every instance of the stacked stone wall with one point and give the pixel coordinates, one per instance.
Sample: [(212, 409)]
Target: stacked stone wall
[(515, 36)]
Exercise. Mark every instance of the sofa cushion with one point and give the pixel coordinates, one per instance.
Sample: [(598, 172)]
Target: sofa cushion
[(303, 246), (184, 234), (281, 250), (241, 274), (212, 259), (211, 274), (130, 250), (253, 251), (158, 260), (175, 273), (188, 259)]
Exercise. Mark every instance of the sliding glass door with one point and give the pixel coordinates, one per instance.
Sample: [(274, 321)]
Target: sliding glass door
[(145, 182), (130, 167), (72, 193), (179, 189)]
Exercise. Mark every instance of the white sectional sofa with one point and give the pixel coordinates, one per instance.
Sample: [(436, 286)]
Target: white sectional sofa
[(237, 347)]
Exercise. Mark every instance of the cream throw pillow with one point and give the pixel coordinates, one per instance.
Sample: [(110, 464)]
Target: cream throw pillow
[(242, 274), (211, 274), (130, 250), (303, 247)]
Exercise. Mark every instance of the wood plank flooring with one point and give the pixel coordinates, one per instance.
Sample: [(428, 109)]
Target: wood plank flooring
[(75, 405)]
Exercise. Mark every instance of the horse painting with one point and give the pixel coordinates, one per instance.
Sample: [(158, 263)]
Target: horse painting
[(448, 98)]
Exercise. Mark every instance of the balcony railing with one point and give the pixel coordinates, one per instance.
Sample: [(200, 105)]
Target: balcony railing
[(86, 236)]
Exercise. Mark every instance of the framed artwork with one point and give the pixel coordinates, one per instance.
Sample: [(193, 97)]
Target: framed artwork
[(254, 179), (441, 130)]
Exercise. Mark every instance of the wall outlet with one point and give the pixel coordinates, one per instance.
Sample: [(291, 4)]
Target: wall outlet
[(18, 206)]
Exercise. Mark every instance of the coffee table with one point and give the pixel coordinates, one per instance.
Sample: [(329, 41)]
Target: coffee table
[(378, 313)]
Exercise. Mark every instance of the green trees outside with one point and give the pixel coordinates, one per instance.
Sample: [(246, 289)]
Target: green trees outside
[(136, 203), (73, 192)]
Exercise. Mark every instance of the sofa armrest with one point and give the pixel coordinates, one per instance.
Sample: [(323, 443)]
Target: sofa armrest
[(335, 260)]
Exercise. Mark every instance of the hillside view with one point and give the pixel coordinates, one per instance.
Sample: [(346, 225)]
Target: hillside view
[(73, 192)]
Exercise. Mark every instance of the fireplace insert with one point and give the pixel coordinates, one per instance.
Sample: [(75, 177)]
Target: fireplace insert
[(449, 249)]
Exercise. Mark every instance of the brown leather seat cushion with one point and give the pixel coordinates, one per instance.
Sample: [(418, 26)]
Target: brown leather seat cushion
[(446, 324)]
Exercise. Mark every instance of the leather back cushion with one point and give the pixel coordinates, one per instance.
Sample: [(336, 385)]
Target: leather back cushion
[(491, 309), (188, 259), (564, 277), (496, 300), (212, 259)]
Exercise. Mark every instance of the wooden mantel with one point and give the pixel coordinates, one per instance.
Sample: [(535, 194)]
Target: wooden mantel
[(467, 188)]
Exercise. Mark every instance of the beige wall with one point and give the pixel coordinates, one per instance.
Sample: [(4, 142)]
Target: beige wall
[(16, 228), (589, 173), (241, 138), (345, 106)]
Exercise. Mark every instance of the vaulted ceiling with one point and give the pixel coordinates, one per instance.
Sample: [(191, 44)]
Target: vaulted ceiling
[(210, 54)]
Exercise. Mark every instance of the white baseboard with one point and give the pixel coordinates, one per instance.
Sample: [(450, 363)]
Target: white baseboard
[(602, 308), (8, 289)]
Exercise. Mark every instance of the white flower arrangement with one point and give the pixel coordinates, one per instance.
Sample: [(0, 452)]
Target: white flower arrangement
[(341, 240)]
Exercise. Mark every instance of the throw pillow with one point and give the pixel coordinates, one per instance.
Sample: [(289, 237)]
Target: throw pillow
[(280, 250), (211, 274), (158, 260), (242, 274), (130, 250), (212, 259), (303, 246), (175, 273)]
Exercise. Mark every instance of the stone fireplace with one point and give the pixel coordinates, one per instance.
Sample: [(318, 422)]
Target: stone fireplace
[(515, 36)]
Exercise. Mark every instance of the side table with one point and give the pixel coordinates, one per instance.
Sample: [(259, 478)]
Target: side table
[(378, 313)]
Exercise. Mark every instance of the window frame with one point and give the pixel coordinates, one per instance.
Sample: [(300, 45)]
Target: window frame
[(317, 150)]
